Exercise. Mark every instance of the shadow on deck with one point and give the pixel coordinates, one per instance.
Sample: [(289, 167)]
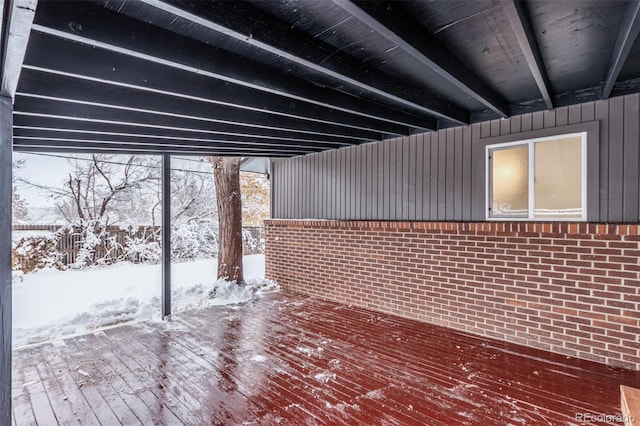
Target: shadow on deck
[(292, 359)]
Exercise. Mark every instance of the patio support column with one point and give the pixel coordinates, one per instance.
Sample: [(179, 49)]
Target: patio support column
[(166, 235), (6, 147)]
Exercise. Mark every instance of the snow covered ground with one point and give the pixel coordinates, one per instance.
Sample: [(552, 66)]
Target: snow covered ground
[(49, 303)]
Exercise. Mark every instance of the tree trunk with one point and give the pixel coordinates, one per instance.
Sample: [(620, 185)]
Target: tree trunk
[(227, 179)]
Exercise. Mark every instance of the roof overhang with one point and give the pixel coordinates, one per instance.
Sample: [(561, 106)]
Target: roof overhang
[(273, 79)]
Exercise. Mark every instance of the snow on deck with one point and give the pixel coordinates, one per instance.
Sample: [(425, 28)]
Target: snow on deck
[(286, 358)]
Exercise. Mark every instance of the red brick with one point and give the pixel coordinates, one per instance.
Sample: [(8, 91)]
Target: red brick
[(543, 285)]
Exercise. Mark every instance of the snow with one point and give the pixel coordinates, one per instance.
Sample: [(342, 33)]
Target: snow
[(18, 235), (375, 394), (50, 303), (325, 376), (305, 350), (259, 358)]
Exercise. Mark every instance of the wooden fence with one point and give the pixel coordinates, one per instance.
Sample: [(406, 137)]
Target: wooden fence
[(69, 243)]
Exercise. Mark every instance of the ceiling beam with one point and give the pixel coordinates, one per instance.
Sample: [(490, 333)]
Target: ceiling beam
[(16, 28), (53, 134), (53, 55), (33, 106), (59, 123), (521, 25), (626, 37), (91, 25), (246, 24), (68, 89), (159, 146), (401, 29), (92, 149)]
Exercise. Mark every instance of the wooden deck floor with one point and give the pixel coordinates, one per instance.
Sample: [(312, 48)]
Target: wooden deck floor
[(293, 359)]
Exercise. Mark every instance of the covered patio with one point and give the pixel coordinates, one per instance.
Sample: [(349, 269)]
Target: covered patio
[(380, 122), (288, 358)]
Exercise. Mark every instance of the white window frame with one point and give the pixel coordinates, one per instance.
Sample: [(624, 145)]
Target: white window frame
[(530, 143)]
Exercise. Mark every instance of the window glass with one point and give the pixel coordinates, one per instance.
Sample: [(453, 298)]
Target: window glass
[(538, 179), (510, 181), (558, 178)]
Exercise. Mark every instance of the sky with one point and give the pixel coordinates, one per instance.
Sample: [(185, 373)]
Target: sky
[(39, 169), (51, 169)]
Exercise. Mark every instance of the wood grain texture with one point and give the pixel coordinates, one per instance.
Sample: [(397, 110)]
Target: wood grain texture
[(286, 358), (630, 404)]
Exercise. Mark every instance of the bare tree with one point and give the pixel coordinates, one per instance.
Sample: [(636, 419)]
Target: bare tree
[(19, 208), (103, 186), (194, 222), (226, 172), (101, 190), (192, 195)]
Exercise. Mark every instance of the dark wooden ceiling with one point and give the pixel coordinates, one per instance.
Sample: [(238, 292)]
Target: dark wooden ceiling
[(284, 78)]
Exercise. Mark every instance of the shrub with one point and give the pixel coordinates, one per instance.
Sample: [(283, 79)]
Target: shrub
[(32, 253)]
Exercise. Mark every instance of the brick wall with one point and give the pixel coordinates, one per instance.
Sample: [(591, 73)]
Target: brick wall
[(572, 288)]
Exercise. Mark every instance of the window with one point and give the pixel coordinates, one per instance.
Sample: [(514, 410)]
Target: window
[(538, 179)]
